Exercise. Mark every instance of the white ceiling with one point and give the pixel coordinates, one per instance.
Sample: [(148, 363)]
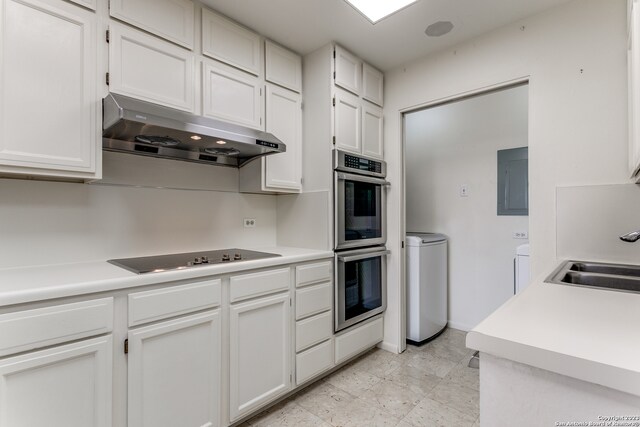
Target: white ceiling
[(306, 25)]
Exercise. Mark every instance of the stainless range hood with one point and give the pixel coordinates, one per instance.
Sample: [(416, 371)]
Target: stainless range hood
[(138, 127)]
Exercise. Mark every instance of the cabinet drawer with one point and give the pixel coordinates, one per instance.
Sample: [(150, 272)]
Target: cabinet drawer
[(313, 330), (312, 273), (314, 361), (29, 329), (257, 284), (148, 306), (313, 299), (359, 339)]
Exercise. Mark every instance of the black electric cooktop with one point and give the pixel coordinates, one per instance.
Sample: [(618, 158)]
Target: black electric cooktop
[(158, 263)]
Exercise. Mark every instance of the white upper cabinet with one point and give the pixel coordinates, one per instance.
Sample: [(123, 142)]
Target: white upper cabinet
[(144, 67), (372, 84), (284, 120), (49, 101), (226, 41), (283, 67), (231, 95), (348, 70), (347, 121), (170, 19), (372, 131)]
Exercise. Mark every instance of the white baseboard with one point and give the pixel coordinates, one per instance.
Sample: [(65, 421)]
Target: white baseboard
[(390, 347), (459, 326)]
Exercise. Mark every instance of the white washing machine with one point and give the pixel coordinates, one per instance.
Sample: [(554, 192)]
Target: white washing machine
[(427, 284)]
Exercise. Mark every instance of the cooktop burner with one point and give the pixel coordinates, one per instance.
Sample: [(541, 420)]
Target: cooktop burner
[(158, 263)]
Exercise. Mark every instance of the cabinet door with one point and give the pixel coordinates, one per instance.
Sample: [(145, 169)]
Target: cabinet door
[(284, 120), (226, 41), (347, 121), (48, 95), (260, 353), (65, 386), (91, 4), (348, 70), (372, 84), (283, 67), (372, 130), (174, 373), (231, 95), (172, 20), (147, 68)]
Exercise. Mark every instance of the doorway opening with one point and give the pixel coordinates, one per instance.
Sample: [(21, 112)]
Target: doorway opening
[(456, 156)]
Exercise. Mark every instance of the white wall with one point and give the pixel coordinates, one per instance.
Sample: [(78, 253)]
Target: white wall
[(455, 144), (575, 58), (590, 219), (304, 220), (55, 222)]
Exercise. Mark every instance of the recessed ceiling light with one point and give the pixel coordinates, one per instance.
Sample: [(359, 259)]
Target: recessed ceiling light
[(196, 137), (375, 10), (439, 28), (221, 142)]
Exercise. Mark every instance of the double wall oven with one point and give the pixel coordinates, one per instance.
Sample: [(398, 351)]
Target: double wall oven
[(360, 236)]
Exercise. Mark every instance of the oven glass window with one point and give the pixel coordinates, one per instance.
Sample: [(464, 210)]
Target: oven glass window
[(362, 217), (362, 286)]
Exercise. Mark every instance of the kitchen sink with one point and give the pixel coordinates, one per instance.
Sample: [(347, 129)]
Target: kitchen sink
[(614, 269), (618, 277)]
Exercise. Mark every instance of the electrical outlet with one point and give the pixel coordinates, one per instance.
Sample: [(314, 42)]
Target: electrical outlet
[(520, 235), (249, 222), (464, 190)]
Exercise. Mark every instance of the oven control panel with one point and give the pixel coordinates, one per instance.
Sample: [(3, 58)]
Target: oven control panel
[(359, 164), (362, 164)]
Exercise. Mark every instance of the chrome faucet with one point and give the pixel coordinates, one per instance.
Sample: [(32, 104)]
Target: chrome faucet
[(631, 237)]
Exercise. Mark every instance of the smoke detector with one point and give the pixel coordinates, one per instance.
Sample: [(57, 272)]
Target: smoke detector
[(439, 28)]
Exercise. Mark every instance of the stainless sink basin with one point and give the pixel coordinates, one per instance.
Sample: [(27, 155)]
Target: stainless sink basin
[(618, 277), (615, 269)]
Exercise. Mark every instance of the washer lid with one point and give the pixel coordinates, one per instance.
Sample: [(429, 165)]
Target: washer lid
[(417, 239), (523, 250)]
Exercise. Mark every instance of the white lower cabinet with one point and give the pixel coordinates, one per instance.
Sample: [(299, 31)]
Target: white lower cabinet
[(312, 362), (358, 338), (260, 352), (174, 373), (63, 386)]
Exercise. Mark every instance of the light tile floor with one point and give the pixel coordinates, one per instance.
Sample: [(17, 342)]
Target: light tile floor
[(429, 386)]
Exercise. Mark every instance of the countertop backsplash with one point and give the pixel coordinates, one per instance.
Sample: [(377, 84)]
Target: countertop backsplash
[(590, 219), (55, 222)]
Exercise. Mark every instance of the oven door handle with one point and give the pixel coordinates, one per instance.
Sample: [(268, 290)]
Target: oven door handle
[(363, 256), (360, 178)]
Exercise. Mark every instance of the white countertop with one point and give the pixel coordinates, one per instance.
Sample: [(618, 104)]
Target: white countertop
[(589, 334), (37, 283)]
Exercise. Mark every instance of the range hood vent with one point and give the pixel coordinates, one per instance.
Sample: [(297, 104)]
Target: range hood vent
[(138, 127)]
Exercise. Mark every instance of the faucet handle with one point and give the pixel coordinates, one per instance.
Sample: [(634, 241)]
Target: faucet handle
[(631, 237)]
